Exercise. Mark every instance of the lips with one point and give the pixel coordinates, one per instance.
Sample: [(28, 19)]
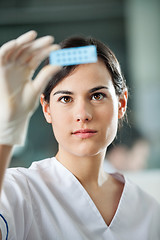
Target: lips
[(84, 133)]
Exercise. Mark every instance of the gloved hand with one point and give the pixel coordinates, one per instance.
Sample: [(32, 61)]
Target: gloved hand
[(19, 95)]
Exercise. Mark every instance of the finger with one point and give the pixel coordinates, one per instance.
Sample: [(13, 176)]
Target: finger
[(38, 58), (26, 37), (9, 48), (22, 42), (43, 41), (6, 50), (43, 77), (26, 52)]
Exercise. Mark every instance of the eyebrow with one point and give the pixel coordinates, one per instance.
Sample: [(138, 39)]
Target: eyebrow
[(71, 93), (97, 88), (63, 92)]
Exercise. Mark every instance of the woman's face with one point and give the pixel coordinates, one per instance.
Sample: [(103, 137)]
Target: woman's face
[(84, 110)]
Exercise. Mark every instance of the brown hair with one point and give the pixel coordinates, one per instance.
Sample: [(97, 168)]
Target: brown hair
[(103, 52)]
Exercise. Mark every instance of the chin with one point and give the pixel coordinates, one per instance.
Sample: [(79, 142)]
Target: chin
[(88, 152), (85, 155)]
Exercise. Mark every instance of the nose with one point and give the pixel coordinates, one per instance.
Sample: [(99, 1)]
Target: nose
[(83, 112)]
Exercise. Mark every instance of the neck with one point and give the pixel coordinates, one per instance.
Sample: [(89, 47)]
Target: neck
[(88, 170)]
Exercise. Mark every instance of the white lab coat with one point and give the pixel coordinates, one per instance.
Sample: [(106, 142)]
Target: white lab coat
[(47, 202)]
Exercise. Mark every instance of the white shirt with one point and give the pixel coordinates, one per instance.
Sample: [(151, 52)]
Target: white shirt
[(47, 202)]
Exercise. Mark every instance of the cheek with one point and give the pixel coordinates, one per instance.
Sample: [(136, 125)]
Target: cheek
[(60, 118), (109, 120), (60, 122), (109, 113)]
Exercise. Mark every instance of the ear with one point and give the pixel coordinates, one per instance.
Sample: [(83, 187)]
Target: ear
[(46, 109), (122, 104)]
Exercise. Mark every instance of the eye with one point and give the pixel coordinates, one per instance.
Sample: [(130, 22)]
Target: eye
[(98, 96), (65, 99)]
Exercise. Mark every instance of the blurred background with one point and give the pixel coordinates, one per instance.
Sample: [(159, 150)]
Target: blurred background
[(131, 28)]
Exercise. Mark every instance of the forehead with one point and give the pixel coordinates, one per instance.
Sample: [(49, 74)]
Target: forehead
[(87, 76)]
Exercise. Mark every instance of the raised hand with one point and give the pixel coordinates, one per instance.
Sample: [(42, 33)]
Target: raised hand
[(19, 95)]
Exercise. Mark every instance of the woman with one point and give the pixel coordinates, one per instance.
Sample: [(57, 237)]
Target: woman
[(68, 196)]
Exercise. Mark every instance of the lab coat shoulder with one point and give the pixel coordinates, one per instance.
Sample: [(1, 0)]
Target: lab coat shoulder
[(142, 210), (15, 204), (141, 199), (21, 191)]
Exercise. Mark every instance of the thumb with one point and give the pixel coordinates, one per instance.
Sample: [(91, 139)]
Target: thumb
[(44, 77)]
